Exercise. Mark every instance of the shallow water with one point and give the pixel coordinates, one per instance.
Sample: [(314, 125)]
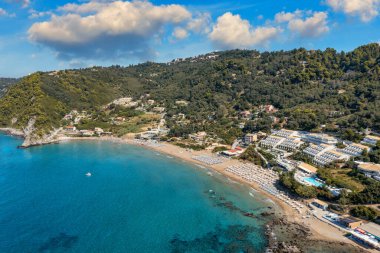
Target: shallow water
[(135, 201)]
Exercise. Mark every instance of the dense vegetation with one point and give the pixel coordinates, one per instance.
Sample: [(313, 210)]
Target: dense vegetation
[(310, 88), (364, 212), (251, 154), (5, 83)]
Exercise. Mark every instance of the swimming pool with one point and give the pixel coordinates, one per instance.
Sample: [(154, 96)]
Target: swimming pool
[(313, 181)]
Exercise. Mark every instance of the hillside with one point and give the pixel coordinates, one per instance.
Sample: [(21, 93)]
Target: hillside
[(5, 83), (310, 88)]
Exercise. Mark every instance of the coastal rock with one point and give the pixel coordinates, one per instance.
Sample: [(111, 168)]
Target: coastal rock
[(12, 131), (32, 139), (291, 237)]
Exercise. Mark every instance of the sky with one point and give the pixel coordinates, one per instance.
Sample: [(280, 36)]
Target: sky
[(41, 35)]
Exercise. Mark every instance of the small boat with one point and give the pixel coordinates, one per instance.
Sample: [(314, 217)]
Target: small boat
[(88, 174)]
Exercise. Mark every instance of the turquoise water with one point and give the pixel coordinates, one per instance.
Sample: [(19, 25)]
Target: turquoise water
[(135, 201), (313, 181)]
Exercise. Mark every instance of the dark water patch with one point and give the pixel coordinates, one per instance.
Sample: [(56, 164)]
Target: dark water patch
[(221, 201), (232, 239), (61, 241)]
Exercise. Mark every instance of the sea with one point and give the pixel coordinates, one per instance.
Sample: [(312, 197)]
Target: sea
[(135, 200)]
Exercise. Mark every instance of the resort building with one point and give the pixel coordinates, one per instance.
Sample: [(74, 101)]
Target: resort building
[(249, 138), (370, 170), (319, 203), (319, 138), (330, 156), (354, 149), (285, 133), (70, 129), (290, 144), (271, 141), (315, 150), (350, 222), (86, 132), (98, 130), (371, 140), (233, 152), (306, 168)]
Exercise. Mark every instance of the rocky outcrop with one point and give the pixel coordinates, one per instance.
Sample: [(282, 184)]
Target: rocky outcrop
[(32, 139), (12, 131), (291, 237)]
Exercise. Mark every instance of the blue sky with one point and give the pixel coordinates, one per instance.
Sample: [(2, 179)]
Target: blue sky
[(47, 35)]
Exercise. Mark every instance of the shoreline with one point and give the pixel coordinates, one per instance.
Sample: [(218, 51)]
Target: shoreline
[(320, 231)]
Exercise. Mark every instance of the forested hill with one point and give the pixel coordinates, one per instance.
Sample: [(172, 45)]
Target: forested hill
[(5, 83), (310, 88)]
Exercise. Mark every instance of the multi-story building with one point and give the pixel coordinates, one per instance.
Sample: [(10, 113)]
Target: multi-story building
[(285, 133), (370, 170), (319, 138), (249, 138), (271, 141), (354, 149), (330, 156), (371, 140), (290, 144), (315, 150)]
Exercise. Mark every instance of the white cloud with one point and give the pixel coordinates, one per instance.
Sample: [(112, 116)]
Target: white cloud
[(180, 33), (313, 26), (282, 17), (231, 31), (39, 14), (107, 30), (365, 9), (200, 23), (304, 23)]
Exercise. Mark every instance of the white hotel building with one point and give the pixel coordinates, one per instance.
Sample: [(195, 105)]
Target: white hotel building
[(371, 140), (290, 144), (287, 144), (315, 150), (354, 149), (319, 138), (324, 154), (271, 141), (285, 133), (329, 157)]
